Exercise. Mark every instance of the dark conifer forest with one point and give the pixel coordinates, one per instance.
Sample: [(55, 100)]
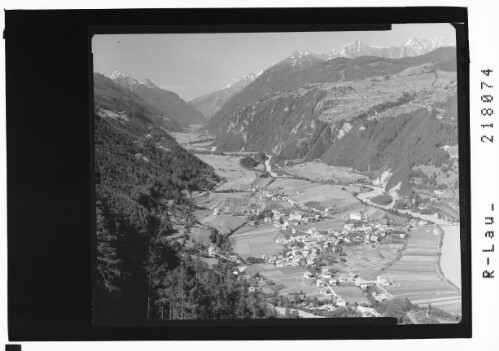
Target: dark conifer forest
[(142, 187)]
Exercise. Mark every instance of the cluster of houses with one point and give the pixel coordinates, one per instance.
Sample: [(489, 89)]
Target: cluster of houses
[(304, 247)]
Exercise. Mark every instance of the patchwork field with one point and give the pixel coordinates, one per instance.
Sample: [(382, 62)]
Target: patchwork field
[(303, 191), (367, 260), (228, 167), (316, 170), (416, 275), (256, 242)]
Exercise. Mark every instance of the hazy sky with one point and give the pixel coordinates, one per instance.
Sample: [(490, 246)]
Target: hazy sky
[(196, 64)]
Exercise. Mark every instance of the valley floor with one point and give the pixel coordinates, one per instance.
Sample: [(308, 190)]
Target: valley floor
[(411, 266)]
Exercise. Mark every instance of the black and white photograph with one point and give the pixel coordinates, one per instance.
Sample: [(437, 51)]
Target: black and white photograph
[(279, 175)]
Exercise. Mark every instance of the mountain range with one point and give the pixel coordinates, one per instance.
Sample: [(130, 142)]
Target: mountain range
[(397, 104), (412, 47), (209, 104), (165, 101), (307, 108)]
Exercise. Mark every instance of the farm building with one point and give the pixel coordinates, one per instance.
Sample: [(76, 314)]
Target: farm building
[(349, 226), (295, 215), (308, 275), (356, 216), (382, 280)]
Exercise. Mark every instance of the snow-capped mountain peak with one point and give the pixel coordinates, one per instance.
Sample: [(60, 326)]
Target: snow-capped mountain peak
[(244, 80), (116, 75), (129, 82)]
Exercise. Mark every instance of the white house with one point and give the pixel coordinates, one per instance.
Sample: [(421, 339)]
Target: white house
[(308, 275), (295, 215), (355, 216), (333, 281), (382, 280), (349, 226)]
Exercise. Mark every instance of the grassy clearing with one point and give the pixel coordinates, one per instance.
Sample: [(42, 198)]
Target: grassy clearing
[(303, 191), (291, 278), (228, 167), (257, 242), (224, 223)]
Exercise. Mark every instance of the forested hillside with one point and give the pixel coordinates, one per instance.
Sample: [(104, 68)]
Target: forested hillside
[(115, 101), (141, 273), (143, 181), (167, 103)]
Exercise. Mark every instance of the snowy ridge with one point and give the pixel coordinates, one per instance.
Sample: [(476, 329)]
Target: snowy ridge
[(356, 48), (129, 82)]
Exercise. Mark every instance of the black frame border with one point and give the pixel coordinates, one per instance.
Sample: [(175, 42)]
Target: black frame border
[(48, 193)]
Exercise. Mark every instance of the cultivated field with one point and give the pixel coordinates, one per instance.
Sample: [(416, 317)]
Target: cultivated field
[(416, 274), (367, 260), (316, 170), (228, 167), (351, 294), (303, 191), (224, 223), (221, 200), (256, 242), (201, 235), (336, 224), (184, 138)]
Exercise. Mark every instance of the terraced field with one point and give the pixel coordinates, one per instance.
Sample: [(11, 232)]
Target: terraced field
[(417, 276)]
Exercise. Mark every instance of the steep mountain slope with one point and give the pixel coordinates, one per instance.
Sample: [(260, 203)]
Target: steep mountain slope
[(305, 108), (302, 70), (211, 103), (114, 101), (165, 101)]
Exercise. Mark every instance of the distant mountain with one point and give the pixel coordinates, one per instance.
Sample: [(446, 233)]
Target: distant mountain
[(165, 101), (413, 47), (306, 107), (304, 68), (211, 103), (118, 102)]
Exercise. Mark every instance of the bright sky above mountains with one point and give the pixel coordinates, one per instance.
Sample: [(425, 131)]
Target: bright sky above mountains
[(197, 64)]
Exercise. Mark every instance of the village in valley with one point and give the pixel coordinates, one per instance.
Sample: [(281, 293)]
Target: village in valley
[(318, 247)]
